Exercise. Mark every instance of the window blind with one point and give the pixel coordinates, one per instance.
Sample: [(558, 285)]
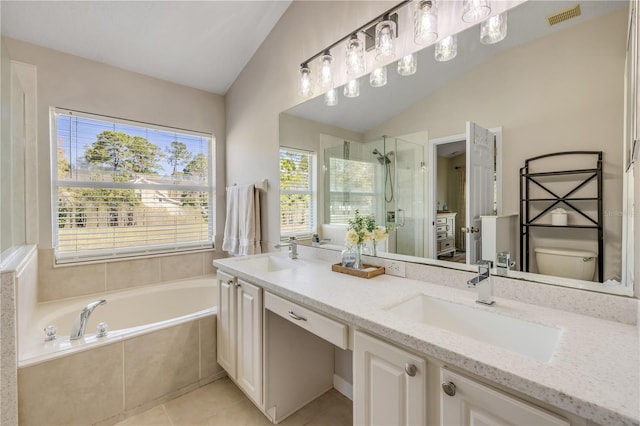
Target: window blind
[(122, 188), (297, 193), (351, 188)]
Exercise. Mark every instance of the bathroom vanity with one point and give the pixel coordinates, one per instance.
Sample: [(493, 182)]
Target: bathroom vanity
[(280, 320)]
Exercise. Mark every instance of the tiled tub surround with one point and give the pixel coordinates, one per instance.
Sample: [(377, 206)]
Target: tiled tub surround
[(64, 281), (593, 373), (136, 366)]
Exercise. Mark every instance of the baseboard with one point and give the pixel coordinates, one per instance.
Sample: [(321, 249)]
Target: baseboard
[(342, 386)]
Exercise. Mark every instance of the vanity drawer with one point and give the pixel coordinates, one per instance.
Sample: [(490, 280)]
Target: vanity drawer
[(442, 228), (328, 329), (441, 220), (445, 244)]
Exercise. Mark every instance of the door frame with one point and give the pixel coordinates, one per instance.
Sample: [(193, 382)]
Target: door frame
[(431, 203)]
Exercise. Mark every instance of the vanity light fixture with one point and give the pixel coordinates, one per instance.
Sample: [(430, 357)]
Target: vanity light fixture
[(305, 83), (447, 48), (425, 22), (331, 97), (378, 77), (385, 32), (475, 10), (352, 88), (494, 29), (408, 65), (355, 55), (326, 71)]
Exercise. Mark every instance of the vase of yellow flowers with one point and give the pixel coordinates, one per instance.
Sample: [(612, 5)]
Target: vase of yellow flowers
[(363, 229)]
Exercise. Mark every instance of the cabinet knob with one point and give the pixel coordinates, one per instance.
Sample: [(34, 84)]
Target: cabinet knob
[(449, 388), (237, 284), (410, 369), (230, 283)]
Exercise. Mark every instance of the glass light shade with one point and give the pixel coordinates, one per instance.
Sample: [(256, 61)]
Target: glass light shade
[(385, 47), (355, 56), (331, 97), (352, 88), (305, 85), (378, 77), (447, 49), (475, 10), (494, 29), (408, 65), (326, 71), (425, 22)]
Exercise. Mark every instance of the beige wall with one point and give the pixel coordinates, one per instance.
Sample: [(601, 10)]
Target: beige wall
[(546, 101), (442, 181), (72, 82)]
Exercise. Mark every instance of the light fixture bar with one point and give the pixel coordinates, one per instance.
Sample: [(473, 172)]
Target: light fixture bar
[(357, 30)]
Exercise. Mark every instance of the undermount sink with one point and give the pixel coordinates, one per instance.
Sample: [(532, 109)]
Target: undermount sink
[(268, 263), (536, 341)]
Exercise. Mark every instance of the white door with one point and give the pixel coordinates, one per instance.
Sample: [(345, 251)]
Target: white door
[(467, 402), (226, 323), (479, 186), (389, 384), (249, 350)]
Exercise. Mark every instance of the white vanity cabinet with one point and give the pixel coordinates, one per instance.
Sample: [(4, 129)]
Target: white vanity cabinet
[(466, 402), (239, 333), (389, 384)]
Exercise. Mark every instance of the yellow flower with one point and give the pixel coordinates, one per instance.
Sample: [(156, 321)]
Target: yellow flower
[(367, 237), (380, 233), (351, 239)]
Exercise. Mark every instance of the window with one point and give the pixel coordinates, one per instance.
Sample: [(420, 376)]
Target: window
[(297, 193), (123, 188), (351, 187)]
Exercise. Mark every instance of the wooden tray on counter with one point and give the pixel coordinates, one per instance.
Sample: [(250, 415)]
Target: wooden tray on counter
[(367, 271)]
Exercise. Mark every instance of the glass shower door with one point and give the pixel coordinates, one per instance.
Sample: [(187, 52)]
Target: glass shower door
[(404, 196)]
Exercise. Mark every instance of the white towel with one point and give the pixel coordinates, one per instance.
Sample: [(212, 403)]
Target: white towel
[(242, 224)]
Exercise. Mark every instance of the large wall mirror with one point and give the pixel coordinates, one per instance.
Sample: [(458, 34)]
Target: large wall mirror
[(439, 155)]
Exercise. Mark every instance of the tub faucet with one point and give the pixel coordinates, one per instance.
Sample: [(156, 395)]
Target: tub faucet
[(483, 283), (80, 324)]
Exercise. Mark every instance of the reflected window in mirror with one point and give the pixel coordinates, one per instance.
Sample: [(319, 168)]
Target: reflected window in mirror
[(351, 185), (298, 198)]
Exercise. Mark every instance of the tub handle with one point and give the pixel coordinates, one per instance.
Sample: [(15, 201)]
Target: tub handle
[(296, 317)]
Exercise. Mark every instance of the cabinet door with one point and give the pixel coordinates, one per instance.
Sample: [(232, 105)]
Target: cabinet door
[(389, 384), (475, 404), (249, 367), (226, 328)]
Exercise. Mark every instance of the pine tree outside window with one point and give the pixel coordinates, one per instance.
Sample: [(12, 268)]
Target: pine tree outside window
[(124, 188)]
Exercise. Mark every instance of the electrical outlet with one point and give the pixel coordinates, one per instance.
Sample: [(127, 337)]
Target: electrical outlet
[(395, 268)]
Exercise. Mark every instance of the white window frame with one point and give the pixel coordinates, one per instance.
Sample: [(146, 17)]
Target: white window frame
[(312, 192), (119, 253)]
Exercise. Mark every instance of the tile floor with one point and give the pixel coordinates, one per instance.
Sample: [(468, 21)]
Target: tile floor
[(222, 403)]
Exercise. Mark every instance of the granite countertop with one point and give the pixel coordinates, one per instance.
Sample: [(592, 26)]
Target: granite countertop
[(593, 372)]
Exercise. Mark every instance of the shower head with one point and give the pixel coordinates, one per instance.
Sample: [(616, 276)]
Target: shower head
[(381, 159)]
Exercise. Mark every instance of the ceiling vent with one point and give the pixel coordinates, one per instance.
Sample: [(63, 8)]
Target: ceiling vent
[(556, 18)]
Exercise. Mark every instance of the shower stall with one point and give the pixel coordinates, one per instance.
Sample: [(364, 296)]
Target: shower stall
[(385, 177)]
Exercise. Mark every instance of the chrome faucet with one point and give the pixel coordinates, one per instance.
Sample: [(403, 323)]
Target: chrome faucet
[(293, 247), (504, 263), (80, 324), (483, 283)]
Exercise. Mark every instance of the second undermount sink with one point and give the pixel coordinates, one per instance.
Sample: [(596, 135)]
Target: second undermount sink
[(268, 263), (534, 340)]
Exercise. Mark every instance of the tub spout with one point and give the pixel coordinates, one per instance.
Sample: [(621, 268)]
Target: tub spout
[(80, 324)]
